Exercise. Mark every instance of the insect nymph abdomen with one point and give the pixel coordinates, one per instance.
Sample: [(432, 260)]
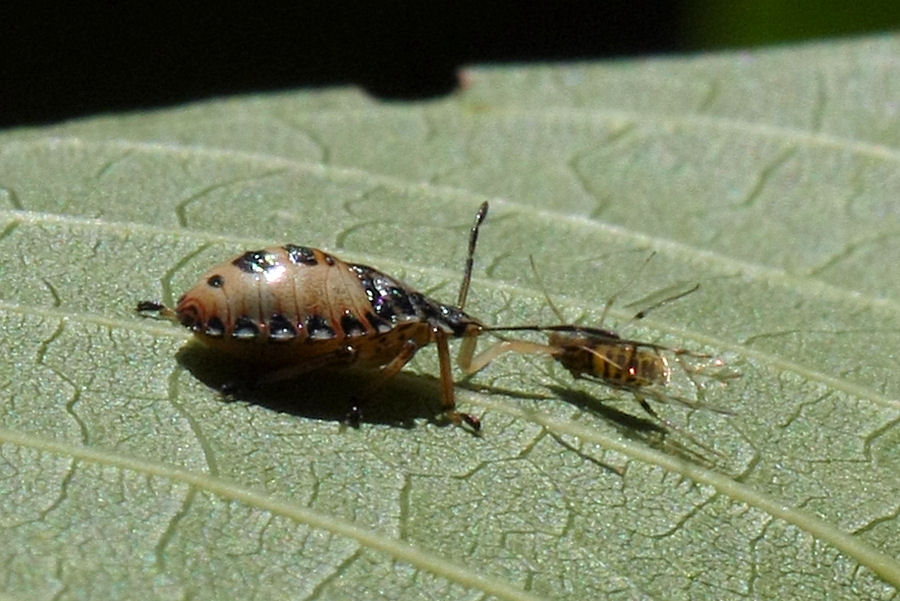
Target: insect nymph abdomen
[(299, 308)]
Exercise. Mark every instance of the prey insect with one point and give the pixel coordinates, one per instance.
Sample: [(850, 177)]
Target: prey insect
[(293, 309), (640, 368)]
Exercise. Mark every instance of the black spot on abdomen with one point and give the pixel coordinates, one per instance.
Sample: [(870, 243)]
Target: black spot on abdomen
[(245, 328), (352, 326), (281, 329), (301, 255), (255, 261), (318, 328), (214, 328)]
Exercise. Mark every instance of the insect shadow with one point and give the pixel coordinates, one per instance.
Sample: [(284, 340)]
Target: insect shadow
[(336, 394), (625, 421), (293, 310), (644, 429), (602, 356)]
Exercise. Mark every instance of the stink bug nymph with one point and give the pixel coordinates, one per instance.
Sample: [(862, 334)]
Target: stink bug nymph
[(293, 309)]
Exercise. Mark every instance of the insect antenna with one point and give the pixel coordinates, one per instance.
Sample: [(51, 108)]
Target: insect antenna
[(569, 328), (671, 298), (615, 295), (470, 259), (596, 331), (543, 288)]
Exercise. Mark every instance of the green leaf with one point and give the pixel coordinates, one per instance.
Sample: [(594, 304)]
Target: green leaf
[(769, 177)]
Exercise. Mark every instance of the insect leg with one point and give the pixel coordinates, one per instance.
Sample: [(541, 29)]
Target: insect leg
[(447, 392), (718, 369), (391, 369), (473, 365), (410, 348), (671, 426), (466, 351), (646, 406)]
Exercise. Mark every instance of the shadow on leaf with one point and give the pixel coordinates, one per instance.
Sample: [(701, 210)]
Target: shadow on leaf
[(331, 394), (643, 429)]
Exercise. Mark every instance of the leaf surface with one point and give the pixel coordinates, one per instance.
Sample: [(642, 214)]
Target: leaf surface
[(769, 177)]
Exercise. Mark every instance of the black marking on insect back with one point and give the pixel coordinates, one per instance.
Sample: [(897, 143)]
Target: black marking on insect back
[(301, 255), (382, 326), (216, 281), (416, 299), (319, 328), (245, 328), (453, 318), (255, 261), (403, 305), (385, 310), (393, 301), (446, 317), (351, 325), (387, 296), (214, 328), (281, 329), (365, 279), (425, 308), (329, 259)]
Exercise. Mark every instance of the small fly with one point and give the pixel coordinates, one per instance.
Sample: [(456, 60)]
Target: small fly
[(601, 355)]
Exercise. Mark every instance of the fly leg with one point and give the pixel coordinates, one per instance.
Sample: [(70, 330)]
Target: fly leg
[(668, 424), (712, 368)]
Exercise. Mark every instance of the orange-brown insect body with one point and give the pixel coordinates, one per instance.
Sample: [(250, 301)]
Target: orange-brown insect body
[(283, 305), (602, 355), (293, 309)]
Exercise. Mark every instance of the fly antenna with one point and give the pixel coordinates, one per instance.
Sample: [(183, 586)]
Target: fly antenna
[(543, 288), (470, 259), (615, 296), (674, 297)]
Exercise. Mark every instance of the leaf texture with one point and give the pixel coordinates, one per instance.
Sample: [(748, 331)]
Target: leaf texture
[(768, 177)]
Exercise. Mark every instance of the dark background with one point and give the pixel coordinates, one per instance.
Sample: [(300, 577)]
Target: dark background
[(63, 63)]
